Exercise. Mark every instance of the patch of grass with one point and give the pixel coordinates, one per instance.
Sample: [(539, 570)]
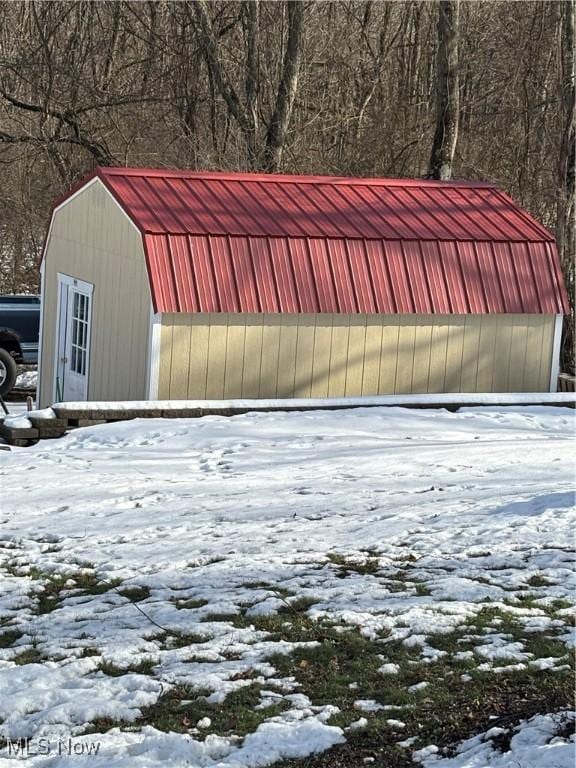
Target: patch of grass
[(48, 599), (402, 581), (89, 651), (506, 622), (524, 600), (50, 595), (543, 645), (8, 637), (90, 584), (276, 589), (346, 565), (204, 563), (184, 639), (189, 604), (135, 594), (560, 604), (31, 656), (143, 667), (444, 713), (538, 580), (298, 606), (232, 618), (180, 709)]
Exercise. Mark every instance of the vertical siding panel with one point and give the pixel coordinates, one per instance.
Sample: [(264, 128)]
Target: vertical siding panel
[(269, 363), (535, 369), (339, 356), (96, 377), (389, 356), (486, 353), (548, 322), (470, 353), (217, 345), (502, 354), (438, 354), (180, 372), (356, 355), (304, 356), (517, 353), (252, 355), (111, 311), (372, 355), (198, 354), (422, 345), (533, 357), (127, 319), (406, 343), (322, 355), (234, 356), (287, 355), (454, 353)]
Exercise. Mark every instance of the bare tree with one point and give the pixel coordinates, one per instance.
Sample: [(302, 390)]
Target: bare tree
[(280, 120), (566, 195), (447, 91), (264, 146)]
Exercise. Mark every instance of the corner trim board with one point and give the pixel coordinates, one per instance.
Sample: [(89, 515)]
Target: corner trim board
[(154, 355), (40, 336), (555, 363)]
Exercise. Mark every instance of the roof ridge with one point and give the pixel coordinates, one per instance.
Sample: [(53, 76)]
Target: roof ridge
[(250, 176)]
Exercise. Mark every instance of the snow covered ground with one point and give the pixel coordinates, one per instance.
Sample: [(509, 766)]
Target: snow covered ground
[(27, 379), (158, 559)]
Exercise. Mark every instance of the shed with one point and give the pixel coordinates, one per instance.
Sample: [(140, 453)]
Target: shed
[(162, 284)]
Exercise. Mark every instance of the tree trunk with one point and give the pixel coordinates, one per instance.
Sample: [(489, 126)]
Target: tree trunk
[(280, 120), (566, 195), (447, 91)]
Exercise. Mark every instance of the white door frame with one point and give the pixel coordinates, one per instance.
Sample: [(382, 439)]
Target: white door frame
[(80, 286)]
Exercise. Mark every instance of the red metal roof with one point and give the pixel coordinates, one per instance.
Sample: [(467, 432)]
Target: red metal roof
[(234, 242)]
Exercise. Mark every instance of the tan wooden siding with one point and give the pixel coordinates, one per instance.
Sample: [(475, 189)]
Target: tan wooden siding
[(92, 240), (232, 356)]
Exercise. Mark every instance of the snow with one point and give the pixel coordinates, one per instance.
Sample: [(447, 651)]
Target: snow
[(27, 380), (367, 705), (219, 512), (389, 669), (19, 417), (17, 422), (534, 745), (417, 687), (71, 692), (43, 414), (356, 725), (462, 399)]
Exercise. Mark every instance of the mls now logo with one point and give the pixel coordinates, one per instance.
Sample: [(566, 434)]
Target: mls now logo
[(24, 748)]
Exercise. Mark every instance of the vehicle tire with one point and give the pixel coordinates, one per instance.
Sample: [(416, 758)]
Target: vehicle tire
[(7, 372)]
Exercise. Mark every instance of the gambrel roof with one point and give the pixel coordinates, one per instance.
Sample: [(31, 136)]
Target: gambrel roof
[(240, 242)]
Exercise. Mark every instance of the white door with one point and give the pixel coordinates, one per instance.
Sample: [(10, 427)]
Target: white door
[(73, 340)]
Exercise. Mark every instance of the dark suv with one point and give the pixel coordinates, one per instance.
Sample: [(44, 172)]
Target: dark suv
[(19, 331)]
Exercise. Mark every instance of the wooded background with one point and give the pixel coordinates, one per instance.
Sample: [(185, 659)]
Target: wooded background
[(477, 90)]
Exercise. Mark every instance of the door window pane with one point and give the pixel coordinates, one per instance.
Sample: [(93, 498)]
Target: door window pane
[(79, 345)]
